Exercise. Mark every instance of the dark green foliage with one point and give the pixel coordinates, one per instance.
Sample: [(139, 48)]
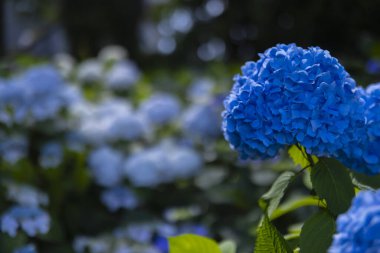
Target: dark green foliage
[(317, 232), (332, 182)]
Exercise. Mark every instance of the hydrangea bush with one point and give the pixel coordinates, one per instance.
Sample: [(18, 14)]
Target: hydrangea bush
[(99, 157)]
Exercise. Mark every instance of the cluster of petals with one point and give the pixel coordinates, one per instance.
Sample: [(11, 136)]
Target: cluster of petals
[(293, 95), (358, 230)]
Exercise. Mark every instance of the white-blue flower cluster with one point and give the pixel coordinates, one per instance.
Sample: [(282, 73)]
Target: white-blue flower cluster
[(163, 163), (35, 95), (161, 108), (32, 220)]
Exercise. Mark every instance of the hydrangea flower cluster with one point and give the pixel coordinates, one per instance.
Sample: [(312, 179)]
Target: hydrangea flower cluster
[(30, 248), (51, 155), (106, 166), (111, 120), (13, 148), (32, 220), (362, 155), (122, 75), (38, 94), (25, 195), (358, 230), (201, 121), (292, 95), (161, 108), (90, 71), (119, 197), (161, 164)]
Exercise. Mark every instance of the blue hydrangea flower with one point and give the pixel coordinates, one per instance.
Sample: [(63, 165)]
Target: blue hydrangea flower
[(161, 108), (51, 155), (123, 248), (111, 120), (123, 75), (202, 121), (25, 195), (358, 230), (35, 95), (30, 248), (90, 71), (194, 229), (201, 90), (119, 197), (139, 232), (13, 148), (148, 168), (292, 95), (106, 166), (31, 220), (362, 154), (162, 164), (131, 126), (373, 66), (84, 244)]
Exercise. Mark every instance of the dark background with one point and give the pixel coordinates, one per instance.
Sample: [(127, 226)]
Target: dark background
[(348, 28)]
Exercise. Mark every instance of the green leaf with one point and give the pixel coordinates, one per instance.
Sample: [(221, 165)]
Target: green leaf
[(294, 204), (228, 247), (332, 182), (365, 180), (192, 244), (269, 240), (317, 233), (299, 156), (270, 200)]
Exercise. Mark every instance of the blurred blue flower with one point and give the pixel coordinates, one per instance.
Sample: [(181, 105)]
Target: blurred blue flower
[(147, 168), (162, 164), (25, 195), (194, 229), (51, 155), (32, 220), (111, 120), (90, 71), (130, 126), (123, 75), (373, 66), (13, 148), (161, 108), (161, 243), (202, 121), (30, 248), (83, 244), (140, 233), (119, 197), (35, 95), (293, 95), (106, 166), (123, 248), (166, 229), (358, 230), (201, 90)]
